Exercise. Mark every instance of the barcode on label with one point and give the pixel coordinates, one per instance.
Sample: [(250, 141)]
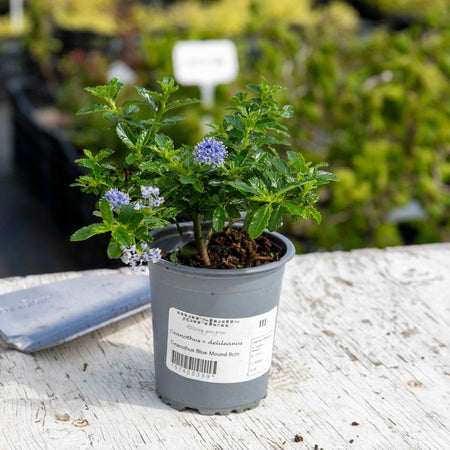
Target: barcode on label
[(195, 364)]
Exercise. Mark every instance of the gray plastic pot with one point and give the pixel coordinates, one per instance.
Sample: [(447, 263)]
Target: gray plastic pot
[(213, 329)]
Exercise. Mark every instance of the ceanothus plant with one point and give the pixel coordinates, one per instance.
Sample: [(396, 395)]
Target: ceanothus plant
[(235, 169)]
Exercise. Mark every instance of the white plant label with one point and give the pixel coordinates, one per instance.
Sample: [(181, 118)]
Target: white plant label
[(208, 62), (220, 350)]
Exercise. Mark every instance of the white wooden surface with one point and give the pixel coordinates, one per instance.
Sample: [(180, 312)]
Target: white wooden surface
[(362, 337)]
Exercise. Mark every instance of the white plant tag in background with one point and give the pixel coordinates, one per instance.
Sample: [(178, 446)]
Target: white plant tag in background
[(210, 62), (220, 350), (206, 64)]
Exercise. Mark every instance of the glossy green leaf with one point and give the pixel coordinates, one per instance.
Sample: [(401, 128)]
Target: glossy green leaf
[(92, 109), (241, 186), (276, 218), (259, 221), (148, 96), (114, 251), (183, 102), (86, 232), (219, 218), (126, 135), (121, 235), (325, 177), (316, 214), (106, 212), (131, 109), (188, 179)]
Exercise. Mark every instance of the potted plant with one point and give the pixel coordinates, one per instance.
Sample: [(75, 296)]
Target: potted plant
[(216, 281)]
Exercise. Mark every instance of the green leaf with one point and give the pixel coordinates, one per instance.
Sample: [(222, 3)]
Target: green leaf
[(188, 179), (267, 122), (287, 111), (88, 163), (276, 218), (316, 214), (232, 212), (99, 91), (254, 88), (126, 135), (218, 219), (198, 186), (86, 232), (259, 221), (258, 185), (106, 212), (168, 85), (108, 92), (297, 160), (133, 102), (131, 122), (114, 88), (274, 178), (241, 186), (142, 138), (270, 140), (183, 102), (114, 251), (126, 214), (291, 186), (163, 141), (131, 109), (135, 220), (150, 166), (325, 177), (154, 222), (96, 107), (280, 165), (121, 235), (131, 158), (89, 154), (96, 171), (293, 209), (248, 218), (148, 96), (109, 115), (104, 153), (171, 120), (141, 233), (235, 121)]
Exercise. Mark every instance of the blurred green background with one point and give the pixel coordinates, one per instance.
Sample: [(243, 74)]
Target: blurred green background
[(369, 81)]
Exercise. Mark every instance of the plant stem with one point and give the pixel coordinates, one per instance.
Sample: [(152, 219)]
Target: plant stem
[(201, 244), (208, 236)]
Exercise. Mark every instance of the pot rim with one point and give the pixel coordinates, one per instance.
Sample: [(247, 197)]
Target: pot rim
[(274, 237)]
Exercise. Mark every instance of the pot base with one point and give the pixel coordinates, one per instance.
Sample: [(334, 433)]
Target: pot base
[(207, 411)]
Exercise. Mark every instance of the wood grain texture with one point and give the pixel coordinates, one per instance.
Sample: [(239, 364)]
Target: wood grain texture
[(363, 337)]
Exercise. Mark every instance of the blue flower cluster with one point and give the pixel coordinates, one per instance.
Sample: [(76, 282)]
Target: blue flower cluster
[(210, 152), (117, 198), (137, 260), (151, 196), (149, 191)]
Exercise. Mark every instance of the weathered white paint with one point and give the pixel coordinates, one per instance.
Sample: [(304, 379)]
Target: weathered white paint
[(362, 337)]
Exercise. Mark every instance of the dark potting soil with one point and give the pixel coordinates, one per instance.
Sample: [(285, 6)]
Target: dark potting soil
[(228, 249)]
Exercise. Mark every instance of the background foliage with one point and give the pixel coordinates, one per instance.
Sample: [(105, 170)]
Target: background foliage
[(373, 102)]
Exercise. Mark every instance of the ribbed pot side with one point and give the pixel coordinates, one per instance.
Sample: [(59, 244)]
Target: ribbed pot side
[(213, 328)]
